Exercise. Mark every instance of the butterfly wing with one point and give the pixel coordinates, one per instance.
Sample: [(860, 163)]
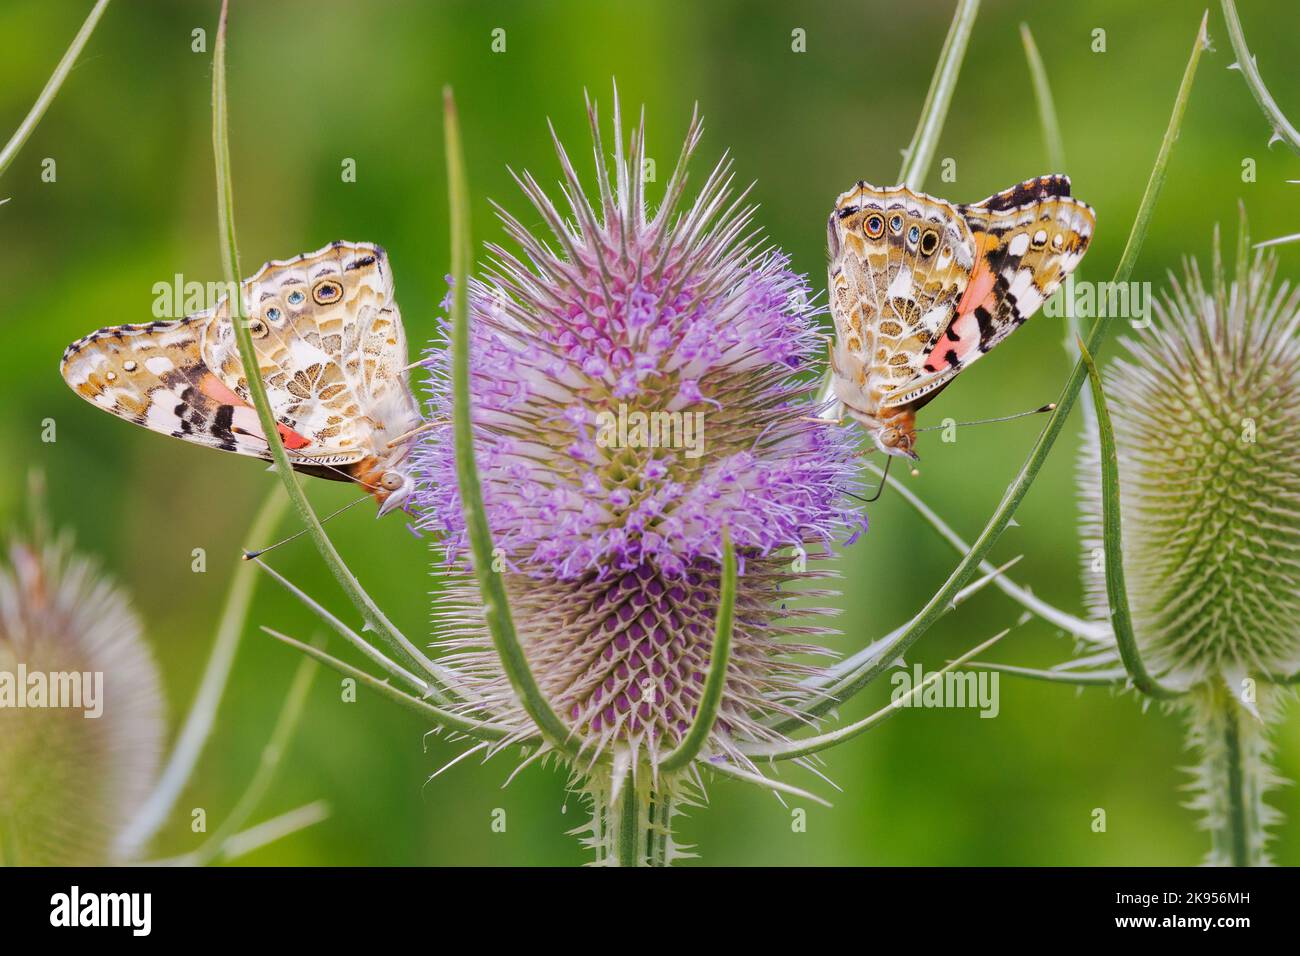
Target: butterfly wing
[(1027, 240), (330, 346), (332, 357), (154, 375), (900, 263)]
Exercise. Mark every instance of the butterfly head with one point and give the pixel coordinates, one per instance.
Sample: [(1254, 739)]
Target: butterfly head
[(893, 440), (894, 434), (393, 490)]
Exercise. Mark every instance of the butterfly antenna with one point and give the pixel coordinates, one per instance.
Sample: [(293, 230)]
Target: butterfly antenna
[(1049, 407), (250, 555)]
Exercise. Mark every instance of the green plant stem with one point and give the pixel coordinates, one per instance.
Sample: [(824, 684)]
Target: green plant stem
[(33, 117), (925, 141), (198, 724), (1282, 129), (1054, 144), (1076, 626), (256, 837), (630, 812), (375, 619), (1121, 618), (706, 714), (1116, 677), (1232, 774), (855, 672), (496, 606), (1239, 847), (811, 745)]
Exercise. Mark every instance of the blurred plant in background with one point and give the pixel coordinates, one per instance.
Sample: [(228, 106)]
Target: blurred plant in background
[(70, 778), (82, 719)]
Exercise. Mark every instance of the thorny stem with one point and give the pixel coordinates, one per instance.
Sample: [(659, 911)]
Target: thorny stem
[(1121, 618), (496, 605), (925, 140), (1283, 131), (1232, 774)]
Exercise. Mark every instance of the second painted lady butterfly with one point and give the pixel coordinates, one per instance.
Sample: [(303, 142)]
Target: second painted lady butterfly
[(332, 352), (921, 288)]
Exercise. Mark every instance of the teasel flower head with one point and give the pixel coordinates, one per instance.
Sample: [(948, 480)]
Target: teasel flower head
[(638, 384), (68, 781), (1206, 410), (1205, 406)]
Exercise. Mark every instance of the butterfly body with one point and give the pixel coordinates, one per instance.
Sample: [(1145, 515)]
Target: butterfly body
[(920, 288), (330, 346)]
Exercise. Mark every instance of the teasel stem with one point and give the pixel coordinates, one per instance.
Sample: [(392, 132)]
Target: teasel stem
[(1232, 775), (496, 606), (1121, 618), (707, 714), (197, 728), (920, 152), (632, 823), (1283, 131)]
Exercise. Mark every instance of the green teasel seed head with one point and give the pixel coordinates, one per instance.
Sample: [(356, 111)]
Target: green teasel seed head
[(1206, 412), (69, 782)]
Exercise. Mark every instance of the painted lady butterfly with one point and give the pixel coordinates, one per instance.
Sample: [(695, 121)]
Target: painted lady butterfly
[(332, 352), (920, 289)]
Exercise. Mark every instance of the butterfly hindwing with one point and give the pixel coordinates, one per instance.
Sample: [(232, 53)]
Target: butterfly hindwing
[(314, 320)]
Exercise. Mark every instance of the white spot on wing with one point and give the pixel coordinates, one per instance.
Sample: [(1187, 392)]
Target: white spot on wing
[(901, 287)]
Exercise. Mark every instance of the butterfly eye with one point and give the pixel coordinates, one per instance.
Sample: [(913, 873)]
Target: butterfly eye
[(874, 227), (391, 481), (929, 242), (273, 314), (896, 223), (913, 234), (296, 297), (327, 292)]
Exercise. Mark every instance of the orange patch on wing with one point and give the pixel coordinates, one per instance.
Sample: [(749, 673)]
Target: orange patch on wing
[(213, 387)]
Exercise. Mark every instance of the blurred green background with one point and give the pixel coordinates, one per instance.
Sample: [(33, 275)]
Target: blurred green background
[(313, 83)]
